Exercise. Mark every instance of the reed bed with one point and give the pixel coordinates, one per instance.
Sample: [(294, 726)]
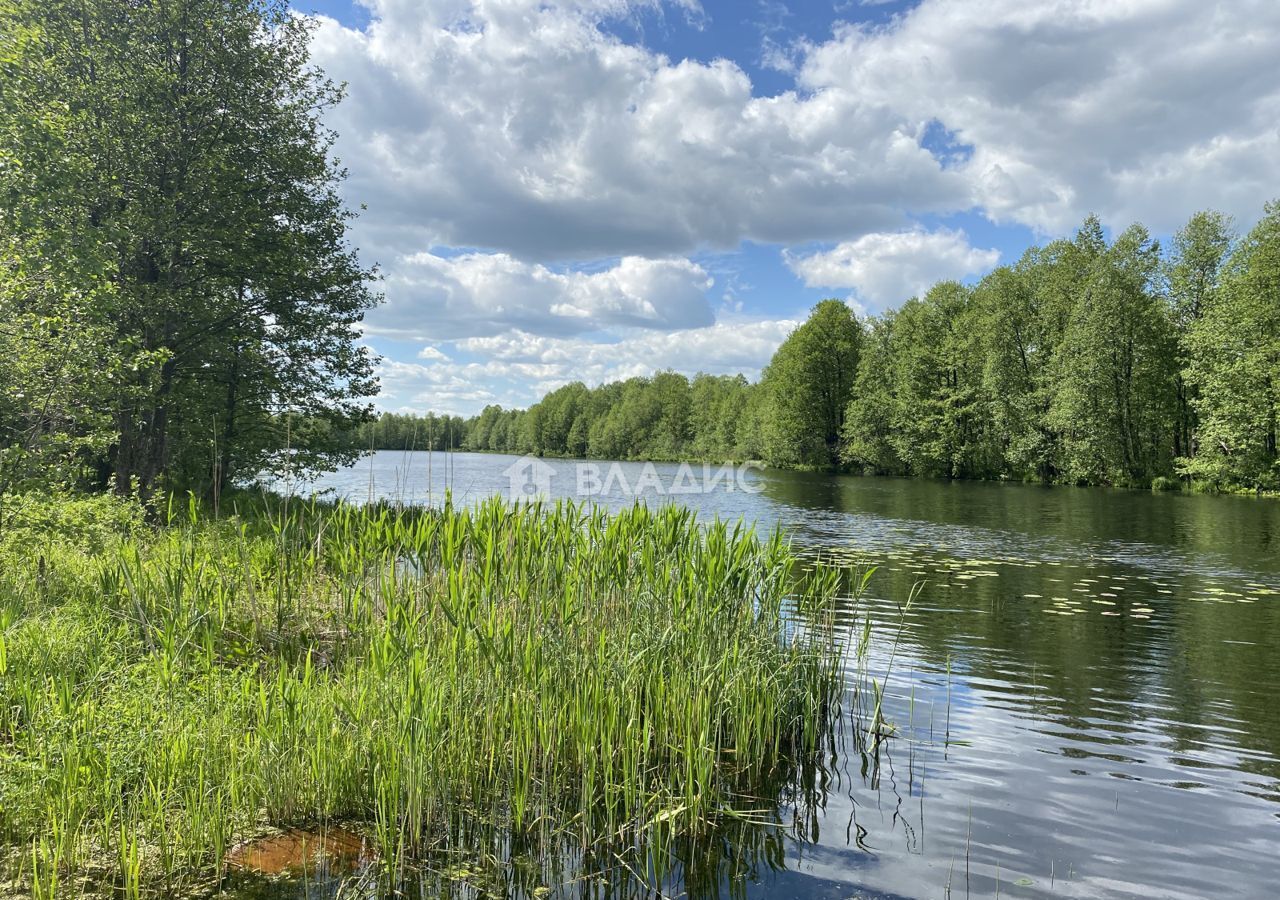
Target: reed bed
[(514, 683)]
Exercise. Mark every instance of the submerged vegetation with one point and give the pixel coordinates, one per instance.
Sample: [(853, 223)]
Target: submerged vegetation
[(543, 683)]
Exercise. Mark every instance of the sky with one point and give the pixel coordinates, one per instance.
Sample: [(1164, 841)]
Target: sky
[(588, 190)]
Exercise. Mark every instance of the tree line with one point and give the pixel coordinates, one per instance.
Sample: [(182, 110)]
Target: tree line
[(1086, 362), (665, 417), (407, 431), (178, 300)]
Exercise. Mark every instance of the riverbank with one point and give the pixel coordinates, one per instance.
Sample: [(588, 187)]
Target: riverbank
[(591, 690)]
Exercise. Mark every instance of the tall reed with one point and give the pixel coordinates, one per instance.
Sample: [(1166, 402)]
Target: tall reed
[(552, 681)]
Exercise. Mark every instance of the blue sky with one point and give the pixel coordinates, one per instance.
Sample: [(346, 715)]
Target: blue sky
[(593, 189)]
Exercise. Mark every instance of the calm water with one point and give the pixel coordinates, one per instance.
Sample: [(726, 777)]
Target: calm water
[(1085, 691)]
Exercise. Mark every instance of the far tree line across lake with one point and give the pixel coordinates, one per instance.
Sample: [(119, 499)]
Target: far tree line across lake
[(1086, 362)]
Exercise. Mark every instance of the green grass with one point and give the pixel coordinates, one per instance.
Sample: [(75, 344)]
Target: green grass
[(549, 681)]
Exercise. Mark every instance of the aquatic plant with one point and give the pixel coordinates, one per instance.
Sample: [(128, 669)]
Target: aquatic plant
[(547, 680)]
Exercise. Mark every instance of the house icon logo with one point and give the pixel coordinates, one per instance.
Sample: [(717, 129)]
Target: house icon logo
[(529, 478)]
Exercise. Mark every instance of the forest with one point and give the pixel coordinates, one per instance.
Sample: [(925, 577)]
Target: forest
[(1087, 362)]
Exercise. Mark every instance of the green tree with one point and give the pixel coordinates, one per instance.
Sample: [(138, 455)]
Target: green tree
[(480, 428), (553, 418), (579, 435), (1058, 276), (1115, 370), (1018, 347), (717, 407), (1200, 251), (669, 436), (1084, 362), (937, 414), (57, 347), (919, 405), (203, 193), (1234, 366), (808, 385), (749, 424), (644, 420), (869, 436)]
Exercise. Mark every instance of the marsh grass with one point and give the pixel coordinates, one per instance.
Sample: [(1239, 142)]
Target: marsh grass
[(527, 689)]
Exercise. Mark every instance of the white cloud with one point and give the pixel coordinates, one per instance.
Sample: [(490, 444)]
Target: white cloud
[(413, 387), (524, 126), (886, 269), (432, 353), (575, 172), (435, 298), (1134, 109), (728, 346)]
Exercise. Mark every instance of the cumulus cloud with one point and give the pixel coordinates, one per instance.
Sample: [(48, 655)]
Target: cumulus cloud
[(728, 346), (432, 298), (525, 126), (432, 353), (886, 269), (1134, 109), (443, 388)]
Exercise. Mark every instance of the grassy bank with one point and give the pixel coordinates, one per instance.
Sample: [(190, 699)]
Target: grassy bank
[(527, 681)]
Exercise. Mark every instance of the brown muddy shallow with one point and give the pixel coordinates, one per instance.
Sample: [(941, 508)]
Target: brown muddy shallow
[(299, 852)]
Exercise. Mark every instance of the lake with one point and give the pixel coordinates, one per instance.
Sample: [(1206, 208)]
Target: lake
[(1084, 691)]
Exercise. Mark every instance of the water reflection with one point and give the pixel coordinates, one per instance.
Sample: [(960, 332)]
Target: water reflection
[(1082, 698), (745, 848)]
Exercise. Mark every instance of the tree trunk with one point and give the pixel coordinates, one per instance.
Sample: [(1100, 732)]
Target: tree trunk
[(143, 449), (225, 454)]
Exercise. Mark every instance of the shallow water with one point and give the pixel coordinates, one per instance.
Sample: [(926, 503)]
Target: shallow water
[(1083, 692), (303, 852)]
